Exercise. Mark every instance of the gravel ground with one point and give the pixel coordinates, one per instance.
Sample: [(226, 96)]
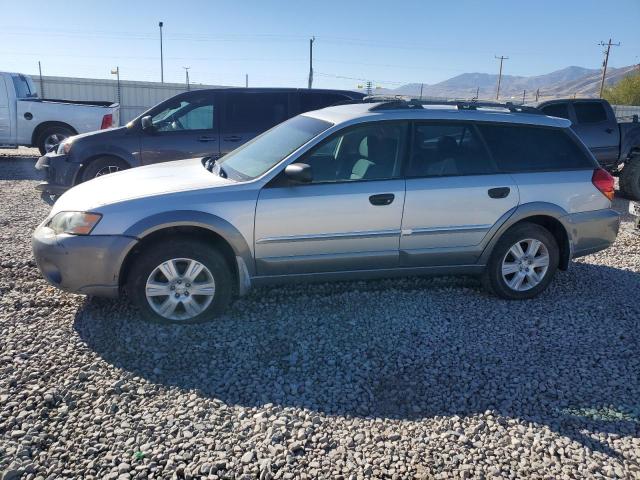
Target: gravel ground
[(403, 378)]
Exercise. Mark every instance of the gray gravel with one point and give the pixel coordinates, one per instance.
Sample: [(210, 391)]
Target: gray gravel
[(408, 378)]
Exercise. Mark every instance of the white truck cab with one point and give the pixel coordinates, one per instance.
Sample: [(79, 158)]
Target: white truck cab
[(26, 120)]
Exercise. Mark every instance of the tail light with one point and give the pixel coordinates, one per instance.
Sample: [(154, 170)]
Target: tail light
[(604, 182), (107, 121)]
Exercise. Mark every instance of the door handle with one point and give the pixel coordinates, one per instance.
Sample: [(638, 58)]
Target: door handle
[(500, 192), (382, 199), (608, 130), (207, 138), (232, 138)]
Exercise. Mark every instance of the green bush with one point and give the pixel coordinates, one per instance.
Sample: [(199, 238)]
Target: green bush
[(625, 92)]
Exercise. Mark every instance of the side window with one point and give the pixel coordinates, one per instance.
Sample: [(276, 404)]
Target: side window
[(22, 86), (315, 101), (254, 112), (368, 152), (196, 113), (531, 149), (445, 149), (590, 112), (560, 110)]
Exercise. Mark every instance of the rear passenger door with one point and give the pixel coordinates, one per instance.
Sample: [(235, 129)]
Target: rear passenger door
[(247, 115), (309, 101), (454, 196), (599, 132)]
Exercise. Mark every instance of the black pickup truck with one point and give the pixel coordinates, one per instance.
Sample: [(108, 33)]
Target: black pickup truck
[(615, 145)]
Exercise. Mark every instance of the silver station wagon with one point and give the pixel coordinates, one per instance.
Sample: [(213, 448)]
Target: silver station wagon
[(353, 191)]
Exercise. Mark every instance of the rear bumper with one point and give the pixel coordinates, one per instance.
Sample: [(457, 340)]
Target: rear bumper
[(60, 173), (592, 231), (81, 264)]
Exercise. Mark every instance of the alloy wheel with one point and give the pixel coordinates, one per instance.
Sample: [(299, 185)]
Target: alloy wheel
[(525, 264), (52, 141), (180, 289)]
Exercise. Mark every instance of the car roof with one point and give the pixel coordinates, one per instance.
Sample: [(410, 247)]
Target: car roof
[(350, 93), (369, 112)]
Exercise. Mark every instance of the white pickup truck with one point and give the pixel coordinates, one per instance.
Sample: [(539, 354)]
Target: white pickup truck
[(29, 121)]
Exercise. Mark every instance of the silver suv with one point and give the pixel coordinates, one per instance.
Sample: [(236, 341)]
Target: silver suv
[(355, 191)]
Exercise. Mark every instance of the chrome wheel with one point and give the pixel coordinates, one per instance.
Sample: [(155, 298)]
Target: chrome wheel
[(180, 289), (52, 141), (107, 170), (525, 264)]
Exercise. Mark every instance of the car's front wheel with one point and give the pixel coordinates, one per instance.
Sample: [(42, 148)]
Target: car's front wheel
[(523, 262), (180, 282)]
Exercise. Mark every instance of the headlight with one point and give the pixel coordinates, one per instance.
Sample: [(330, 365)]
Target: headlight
[(65, 146), (75, 223)]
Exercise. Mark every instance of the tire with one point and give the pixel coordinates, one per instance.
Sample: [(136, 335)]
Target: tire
[(103, 166), (180, 301), (630, 178), (49, 139), (493, 278)]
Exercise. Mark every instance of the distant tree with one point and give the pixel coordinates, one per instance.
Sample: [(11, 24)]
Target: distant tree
[(625, 92)]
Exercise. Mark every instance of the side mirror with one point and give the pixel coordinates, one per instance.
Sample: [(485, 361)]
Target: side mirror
[(299, 173), (146, 123)]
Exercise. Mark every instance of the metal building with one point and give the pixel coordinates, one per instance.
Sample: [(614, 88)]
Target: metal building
[(135, 97)]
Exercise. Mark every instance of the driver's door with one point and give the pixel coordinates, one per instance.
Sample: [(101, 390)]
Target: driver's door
[(347, 218), (187, 128)]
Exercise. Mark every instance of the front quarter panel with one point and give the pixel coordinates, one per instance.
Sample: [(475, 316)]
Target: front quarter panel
[(227, 211)]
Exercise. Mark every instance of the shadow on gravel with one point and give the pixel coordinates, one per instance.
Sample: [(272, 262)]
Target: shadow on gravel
[(406, 349), (19, 168)]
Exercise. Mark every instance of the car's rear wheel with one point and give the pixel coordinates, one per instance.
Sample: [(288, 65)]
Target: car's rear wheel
[(522, 263), (629, 180), (181, 282), (103, 166)]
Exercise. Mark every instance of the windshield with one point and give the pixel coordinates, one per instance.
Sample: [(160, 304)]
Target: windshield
[(265, 151)]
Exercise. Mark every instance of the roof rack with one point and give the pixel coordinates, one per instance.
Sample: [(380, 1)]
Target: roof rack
[(395, 103)]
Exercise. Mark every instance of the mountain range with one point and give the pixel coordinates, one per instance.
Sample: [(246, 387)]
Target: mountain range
[(567, 82)]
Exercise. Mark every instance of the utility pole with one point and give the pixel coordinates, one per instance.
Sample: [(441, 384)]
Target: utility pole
[(477, 93), (311, 40), (524, 94), (116, 72), (421, 87), (502, 58), (537, 94), (160, 24), (606, 61), (186, 71), (246, 80), (41, 82)]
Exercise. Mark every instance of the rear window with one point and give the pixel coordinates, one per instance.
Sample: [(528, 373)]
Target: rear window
[(517, 148), (590, 112), (560, 110), (254, 112), (315, 101)]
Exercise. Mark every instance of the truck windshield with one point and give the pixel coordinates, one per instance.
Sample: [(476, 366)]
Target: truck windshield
[(265, 151)]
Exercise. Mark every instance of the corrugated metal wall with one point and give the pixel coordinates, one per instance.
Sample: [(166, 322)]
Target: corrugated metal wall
[(625, 113), (135, 97)]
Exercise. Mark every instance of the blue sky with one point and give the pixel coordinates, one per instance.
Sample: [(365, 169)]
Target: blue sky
[(389, 43)]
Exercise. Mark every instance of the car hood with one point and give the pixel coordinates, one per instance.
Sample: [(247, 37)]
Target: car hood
[(158, 179)]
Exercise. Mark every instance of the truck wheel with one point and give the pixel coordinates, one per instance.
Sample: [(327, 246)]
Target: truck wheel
[(522, 263), (51, 137), (180, 282), (630, 178), (103, 166)]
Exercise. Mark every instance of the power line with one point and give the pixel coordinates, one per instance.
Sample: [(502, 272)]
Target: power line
[(606, 61)]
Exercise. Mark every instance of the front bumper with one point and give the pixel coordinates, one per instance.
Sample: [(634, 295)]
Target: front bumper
[(87, 264), (592, 231), (60, 173)]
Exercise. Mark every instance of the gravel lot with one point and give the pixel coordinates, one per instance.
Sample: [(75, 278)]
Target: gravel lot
[(409, 378)]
